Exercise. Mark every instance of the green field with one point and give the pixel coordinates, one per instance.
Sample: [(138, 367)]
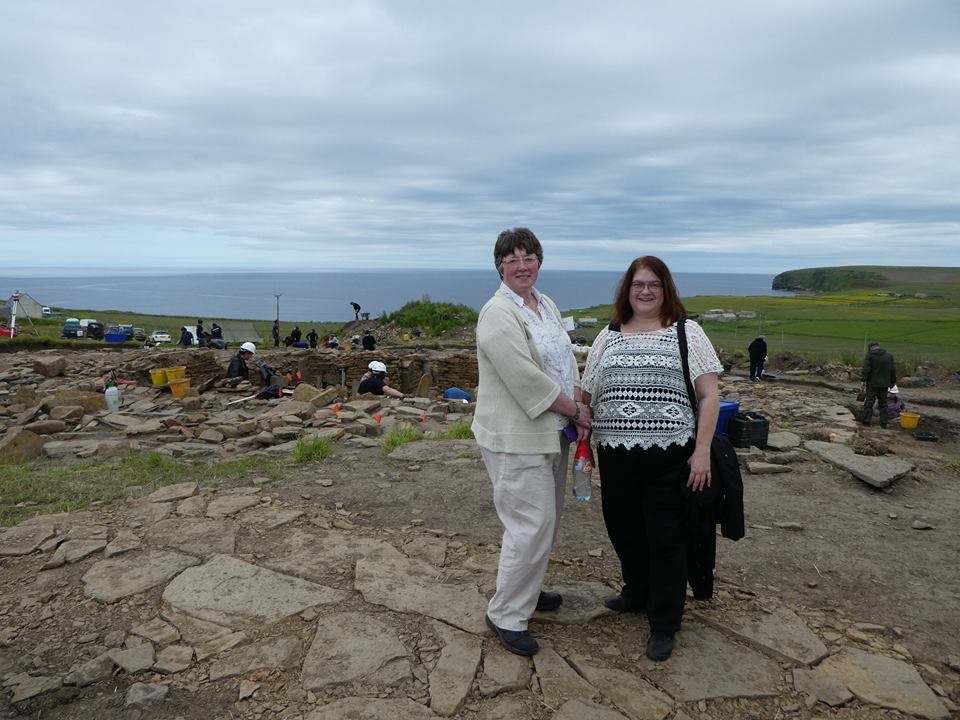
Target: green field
[(825, 327), (835, 326)]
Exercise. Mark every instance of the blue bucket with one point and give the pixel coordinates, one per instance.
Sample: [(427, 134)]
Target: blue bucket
[(728, 408)]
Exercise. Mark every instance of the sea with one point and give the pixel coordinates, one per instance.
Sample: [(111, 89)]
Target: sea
[(326, 296)]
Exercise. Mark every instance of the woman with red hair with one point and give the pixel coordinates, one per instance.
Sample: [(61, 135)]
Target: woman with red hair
[(650, 443)]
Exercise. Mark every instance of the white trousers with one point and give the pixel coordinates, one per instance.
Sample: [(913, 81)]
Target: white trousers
[(528, 493)]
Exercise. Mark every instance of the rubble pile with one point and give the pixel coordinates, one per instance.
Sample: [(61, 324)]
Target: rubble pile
[(51, 406)]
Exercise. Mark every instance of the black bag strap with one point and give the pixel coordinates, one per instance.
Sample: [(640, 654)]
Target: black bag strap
[(684, 361), (614, 327)]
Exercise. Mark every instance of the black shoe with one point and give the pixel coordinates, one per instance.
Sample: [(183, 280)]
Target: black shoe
[(660, 646), (620, 604), (519, 642), (549, 601)]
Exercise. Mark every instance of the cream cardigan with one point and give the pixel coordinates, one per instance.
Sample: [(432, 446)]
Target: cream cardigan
[(514, 393)]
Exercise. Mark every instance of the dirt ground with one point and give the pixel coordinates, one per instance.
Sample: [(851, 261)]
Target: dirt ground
[(854, 559), (856, 553)]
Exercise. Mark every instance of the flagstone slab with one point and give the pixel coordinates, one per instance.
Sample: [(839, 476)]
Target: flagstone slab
[(313, 553), (267, 518), (158, 631), (451, 679), (73, 551), (133, 573), (134, 659), (148, 513), (234, 593), (353, 647), (226, 505), (631, 693), (23, 539), (196, 536), (362, 708), (780, 633), (30, 686), (879, 471), (194, 630), (582, 602), (124, 541), (279, 653), (559, 682), (583, 710), (706, 664), (433, 450), (413, 586), (169, 493), (503, 671), (822, 685), (884, 681)]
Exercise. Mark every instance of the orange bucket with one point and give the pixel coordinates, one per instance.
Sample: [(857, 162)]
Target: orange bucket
[(179, 387)]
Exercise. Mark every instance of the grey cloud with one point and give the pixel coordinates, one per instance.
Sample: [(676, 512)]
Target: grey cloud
[(398, 133)]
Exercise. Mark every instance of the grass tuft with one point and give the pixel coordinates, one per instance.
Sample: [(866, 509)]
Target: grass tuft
[(400, 435), (41, 488), (457, 431), (308, 449)]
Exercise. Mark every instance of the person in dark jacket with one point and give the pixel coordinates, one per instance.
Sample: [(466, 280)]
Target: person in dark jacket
[(878, 374), (369, 342), (296, 333), (201, 335), (238, 363), (758, 356), (313, 338), (276, 333), (216, 332), (186, 337)]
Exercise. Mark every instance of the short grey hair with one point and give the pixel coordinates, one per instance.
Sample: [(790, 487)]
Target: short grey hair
[(510, 240)]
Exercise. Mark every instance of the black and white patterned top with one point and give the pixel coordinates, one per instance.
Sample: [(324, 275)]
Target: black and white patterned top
[(637, 390)]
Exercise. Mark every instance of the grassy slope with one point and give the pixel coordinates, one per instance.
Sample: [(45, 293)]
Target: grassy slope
[(833, 326), (827, 326)]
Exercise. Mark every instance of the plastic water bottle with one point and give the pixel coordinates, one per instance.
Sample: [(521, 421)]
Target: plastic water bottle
[(112, 396), (582, 470)]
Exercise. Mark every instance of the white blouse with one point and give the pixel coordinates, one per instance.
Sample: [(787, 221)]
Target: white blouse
[(637, 389), (551, 341)]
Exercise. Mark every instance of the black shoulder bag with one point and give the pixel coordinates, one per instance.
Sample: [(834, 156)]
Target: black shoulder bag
[(724, 465)]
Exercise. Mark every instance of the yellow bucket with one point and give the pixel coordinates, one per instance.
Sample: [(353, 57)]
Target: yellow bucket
[(159, 376), (909, 420), (175, 373), (406, 337), (179, 387)]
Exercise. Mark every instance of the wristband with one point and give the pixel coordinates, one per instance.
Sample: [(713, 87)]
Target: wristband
[(576, 413)]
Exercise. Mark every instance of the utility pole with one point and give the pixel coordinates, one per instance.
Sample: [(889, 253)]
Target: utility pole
[(277, 296)]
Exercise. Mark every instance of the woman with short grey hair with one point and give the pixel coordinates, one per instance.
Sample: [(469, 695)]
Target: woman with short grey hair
[(529, 391)]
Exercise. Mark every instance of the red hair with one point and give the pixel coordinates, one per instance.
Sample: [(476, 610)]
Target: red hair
[(672, 309)]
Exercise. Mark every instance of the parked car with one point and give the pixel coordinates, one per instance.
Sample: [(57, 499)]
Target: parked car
[(160, 336), (139, 334), (46, 312), (71, 329), (95, 330)]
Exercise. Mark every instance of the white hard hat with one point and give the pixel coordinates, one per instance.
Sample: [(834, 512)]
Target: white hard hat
[(249, 347), (895, 390), (377, 366)]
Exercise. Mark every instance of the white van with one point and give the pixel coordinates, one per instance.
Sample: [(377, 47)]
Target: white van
[(46, 312)]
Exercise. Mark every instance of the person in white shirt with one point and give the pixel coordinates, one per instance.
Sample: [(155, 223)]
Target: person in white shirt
[(528, 393)]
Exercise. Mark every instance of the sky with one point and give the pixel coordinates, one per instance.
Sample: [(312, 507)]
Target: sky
[(743, 136)]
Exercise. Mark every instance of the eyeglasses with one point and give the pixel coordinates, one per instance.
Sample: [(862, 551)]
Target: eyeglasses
[(513, 260), (654, 287)]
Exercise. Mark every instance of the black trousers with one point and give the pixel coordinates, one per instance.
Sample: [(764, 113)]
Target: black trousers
[(644, 511), (875, 395), (756, 368)]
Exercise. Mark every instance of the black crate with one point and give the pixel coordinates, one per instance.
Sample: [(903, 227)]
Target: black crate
[(748, 428)]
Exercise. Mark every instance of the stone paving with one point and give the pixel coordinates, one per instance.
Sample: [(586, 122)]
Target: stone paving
[(368, 628)]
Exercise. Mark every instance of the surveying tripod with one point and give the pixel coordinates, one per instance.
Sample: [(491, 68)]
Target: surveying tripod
[(14, 304)]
